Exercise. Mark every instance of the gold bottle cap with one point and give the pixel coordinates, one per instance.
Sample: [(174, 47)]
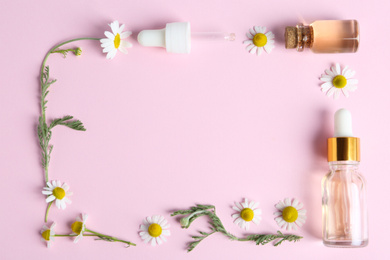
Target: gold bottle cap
[(343, 149)]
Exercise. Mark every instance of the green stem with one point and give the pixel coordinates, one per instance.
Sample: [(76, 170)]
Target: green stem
[(59, 45), (52, 50), (110, 238), (74, 235), (47, 210)]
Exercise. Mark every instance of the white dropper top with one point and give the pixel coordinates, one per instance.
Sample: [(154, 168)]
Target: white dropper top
[(343, 123), (175, 37)]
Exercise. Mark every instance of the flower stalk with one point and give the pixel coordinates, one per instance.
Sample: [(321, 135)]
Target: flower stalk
[(217, 226)]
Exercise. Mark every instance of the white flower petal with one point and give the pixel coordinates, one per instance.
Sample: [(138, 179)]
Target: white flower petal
[(50, 198), (253, 50), (235, 216), (334, 70), (123, 50), (287, 202), (238, 206), (352, 81), (330, 73), (252, 31), (236, 209), (326, 86), (163, 238), (344, 70), (257, 29), (245, 204), (259, 51), (326, 78), (106, 40), (330, 91), (256, 221), (153, 241), (257, 211), (109, 35), (338, 69), (280, 205), (166, 233), (124, 35), (120, 30), (268, 48), (58, 204), (111, 54), (278, 219), (250, 36), (126, 44), (336, 94), (349, 74)]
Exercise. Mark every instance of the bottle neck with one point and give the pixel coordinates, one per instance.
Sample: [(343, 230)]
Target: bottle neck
[(343, 165), (305, 37)]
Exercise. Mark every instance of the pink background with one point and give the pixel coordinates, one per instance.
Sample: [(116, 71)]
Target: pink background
[(167, 131)]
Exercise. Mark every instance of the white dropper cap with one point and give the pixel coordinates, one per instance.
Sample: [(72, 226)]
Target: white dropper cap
[(176, 37), (343, 123)]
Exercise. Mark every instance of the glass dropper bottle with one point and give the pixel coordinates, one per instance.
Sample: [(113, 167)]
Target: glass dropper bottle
[(344, 205), (324, 36)]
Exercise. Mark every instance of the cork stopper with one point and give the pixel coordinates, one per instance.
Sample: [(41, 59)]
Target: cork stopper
[(290, 36)]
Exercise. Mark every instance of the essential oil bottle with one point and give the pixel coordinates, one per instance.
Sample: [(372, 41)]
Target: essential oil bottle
[(325, 36), (344, 209)]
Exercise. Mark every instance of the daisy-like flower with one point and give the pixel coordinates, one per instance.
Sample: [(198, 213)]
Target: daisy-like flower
[(59, 193), (114, 40), (78, 227), (259, 40), (290, 214), (337, 81), (48, 234), (154, 230), (248, 212)]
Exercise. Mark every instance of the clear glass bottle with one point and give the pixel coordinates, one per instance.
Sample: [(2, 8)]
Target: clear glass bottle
[(324, 36), (344, 206)]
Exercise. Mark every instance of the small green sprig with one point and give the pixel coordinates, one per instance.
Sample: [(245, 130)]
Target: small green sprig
[(76, 51), (217, 226)]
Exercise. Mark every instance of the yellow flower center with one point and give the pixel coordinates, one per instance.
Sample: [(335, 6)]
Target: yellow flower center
[(290, 214), (260, 40), (77, 226), (339, 81), (155, 230), (46, 235), (117, 40), (59, 193), (247, 214)]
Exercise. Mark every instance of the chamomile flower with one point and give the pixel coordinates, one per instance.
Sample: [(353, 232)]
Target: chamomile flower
[(290, 214), (337, 81), (114, 40), (259, 40), (47, 234), (154, 230), (248, 212), (78, 227), (59, 193)]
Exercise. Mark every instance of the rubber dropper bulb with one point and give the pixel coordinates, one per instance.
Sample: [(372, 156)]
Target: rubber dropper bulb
[(343, 123)]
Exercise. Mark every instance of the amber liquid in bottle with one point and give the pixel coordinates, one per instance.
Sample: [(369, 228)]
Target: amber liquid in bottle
[(344, 206), (335, 36)]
